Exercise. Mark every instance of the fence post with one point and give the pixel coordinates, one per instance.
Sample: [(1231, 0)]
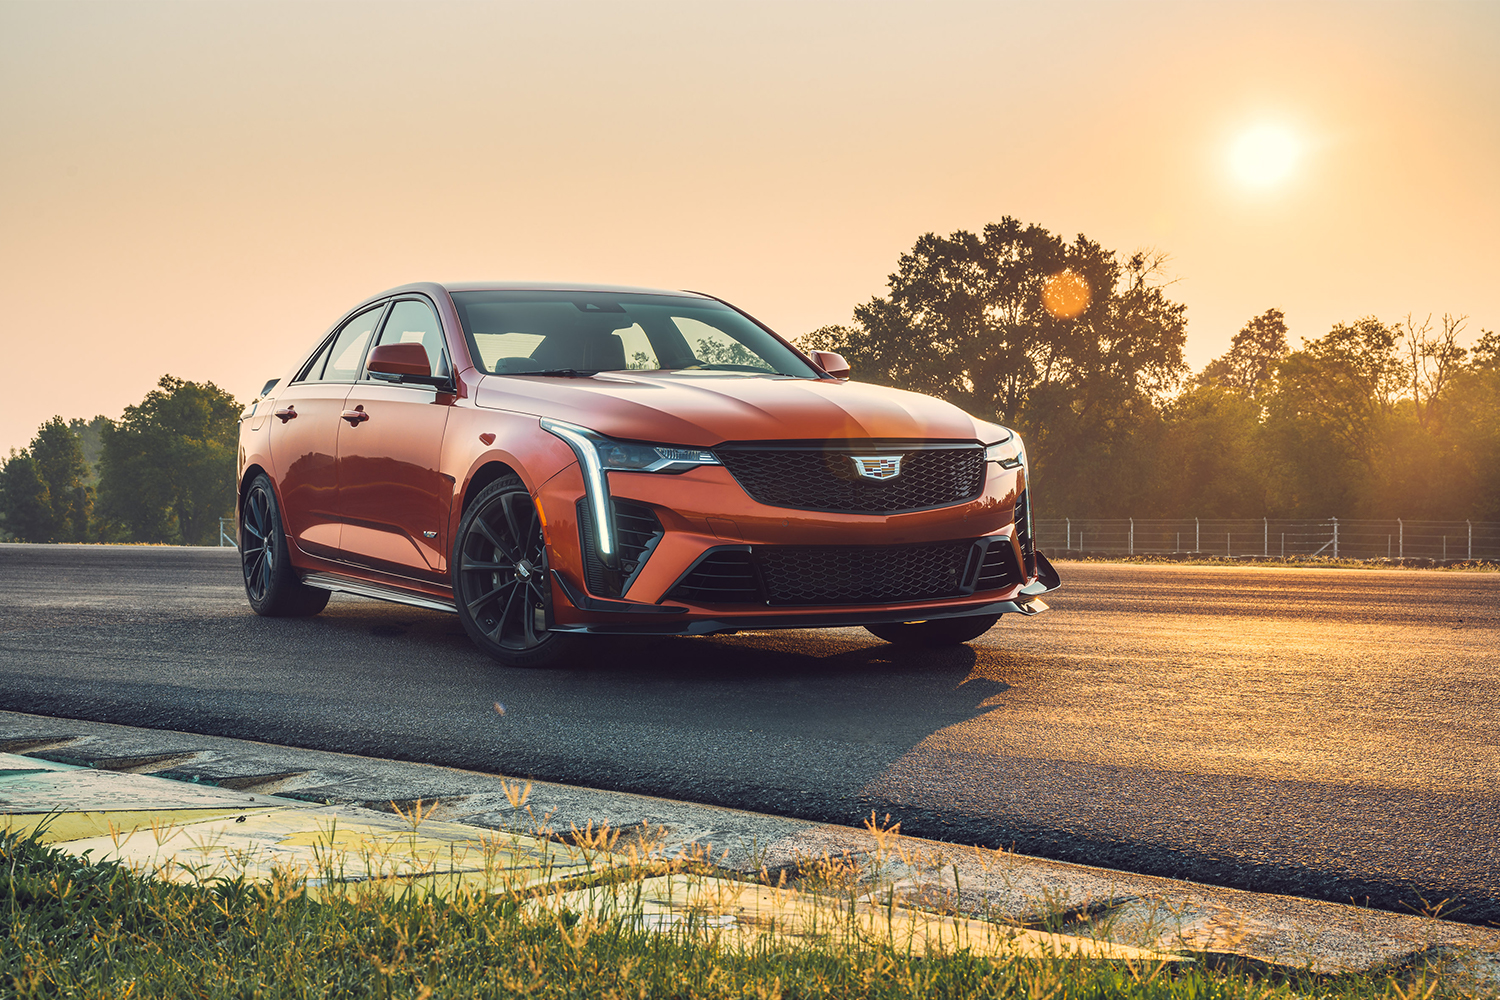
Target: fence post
[(1400, 538), (1471, 540), (1335, 538), (1070, 532), (1197, 536), (1267, 526), (1132, 536)]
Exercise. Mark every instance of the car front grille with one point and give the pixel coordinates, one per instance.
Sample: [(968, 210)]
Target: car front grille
[(822, 476), (836, 574), (810, 575)]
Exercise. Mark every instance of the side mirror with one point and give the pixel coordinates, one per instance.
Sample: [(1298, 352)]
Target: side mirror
[(399, 359), (833, 364)]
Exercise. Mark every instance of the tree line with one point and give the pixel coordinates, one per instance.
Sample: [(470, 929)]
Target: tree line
[(163, 472), (1077, 346), (1081, 350)]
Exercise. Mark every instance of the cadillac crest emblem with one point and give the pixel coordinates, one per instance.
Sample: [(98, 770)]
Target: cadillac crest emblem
[(877, 466)]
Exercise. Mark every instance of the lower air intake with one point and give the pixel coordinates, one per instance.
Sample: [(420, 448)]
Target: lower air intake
[(802, 575)]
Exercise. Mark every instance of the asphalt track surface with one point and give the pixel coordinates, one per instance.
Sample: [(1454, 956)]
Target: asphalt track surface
[(1316, 732)]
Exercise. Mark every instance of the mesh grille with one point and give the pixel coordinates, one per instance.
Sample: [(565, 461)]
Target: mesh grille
[(862, 574), (828, 574), (823, 477)]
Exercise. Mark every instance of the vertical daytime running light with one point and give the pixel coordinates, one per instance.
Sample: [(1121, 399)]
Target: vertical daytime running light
[(581, 441)]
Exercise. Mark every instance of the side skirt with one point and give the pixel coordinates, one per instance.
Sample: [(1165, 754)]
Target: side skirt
[(380, 592)]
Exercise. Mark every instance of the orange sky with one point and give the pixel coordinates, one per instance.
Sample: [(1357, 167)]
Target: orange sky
[(201, 188)]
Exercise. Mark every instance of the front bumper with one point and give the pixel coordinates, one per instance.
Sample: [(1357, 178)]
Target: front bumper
[(706, 510), (606, 617)]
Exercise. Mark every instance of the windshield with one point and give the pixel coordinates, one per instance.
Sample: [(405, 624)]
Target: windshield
[(581, 333)]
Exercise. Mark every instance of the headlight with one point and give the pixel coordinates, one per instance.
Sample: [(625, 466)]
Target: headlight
[(598, 454), (1009, 453), (628, 456)]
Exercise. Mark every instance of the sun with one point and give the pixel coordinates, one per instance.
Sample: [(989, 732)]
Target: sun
[(1264, 155)]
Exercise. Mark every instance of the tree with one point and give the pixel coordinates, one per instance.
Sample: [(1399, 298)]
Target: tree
[(1249, 367), (1334, 398), (167, 468), (1074, 344), (1430, 362), (1471, 430), (59, 464), (1214, 448), (91, 440), (24, 507), (971, 318), (46, 497)]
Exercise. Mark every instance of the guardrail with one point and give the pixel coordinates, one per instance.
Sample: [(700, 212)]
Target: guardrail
[(1439, 541), (226, 533)]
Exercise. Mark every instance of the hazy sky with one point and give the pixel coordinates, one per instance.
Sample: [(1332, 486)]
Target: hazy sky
[(201, 189)]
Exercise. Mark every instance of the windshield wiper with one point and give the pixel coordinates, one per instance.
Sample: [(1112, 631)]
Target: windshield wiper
[(565, 372)]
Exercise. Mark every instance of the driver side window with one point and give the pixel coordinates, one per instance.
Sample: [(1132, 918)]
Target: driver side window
[(413, 322)]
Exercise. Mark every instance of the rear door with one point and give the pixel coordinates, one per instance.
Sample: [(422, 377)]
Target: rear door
[(393, 498), (305, 434)]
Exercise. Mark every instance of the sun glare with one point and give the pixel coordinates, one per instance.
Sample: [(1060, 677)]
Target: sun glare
[(1264, 155), (1066, 294)]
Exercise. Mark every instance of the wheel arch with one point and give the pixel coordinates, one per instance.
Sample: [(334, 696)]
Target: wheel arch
[(482, 477), (251, 471)]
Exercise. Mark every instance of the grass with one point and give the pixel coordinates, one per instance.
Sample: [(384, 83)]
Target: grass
[(73, 928)]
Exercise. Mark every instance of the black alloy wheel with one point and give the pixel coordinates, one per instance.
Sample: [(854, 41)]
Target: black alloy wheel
[(271, 583), (937, 632), (503, 582)]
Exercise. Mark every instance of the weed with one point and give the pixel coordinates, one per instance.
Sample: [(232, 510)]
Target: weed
[(74, 927)]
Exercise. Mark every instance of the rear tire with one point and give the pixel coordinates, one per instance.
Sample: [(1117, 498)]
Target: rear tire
[(938, 632), (271, 583), (502, 583)]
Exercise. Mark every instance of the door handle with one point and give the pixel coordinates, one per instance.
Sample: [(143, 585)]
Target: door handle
[(355, 415), (286, 414)]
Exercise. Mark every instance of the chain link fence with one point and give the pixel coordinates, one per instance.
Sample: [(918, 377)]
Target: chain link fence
[(1267, 538), (1272, 538)]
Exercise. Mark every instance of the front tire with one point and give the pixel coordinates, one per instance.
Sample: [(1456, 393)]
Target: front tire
[(271, 583), (938, 632), (502, 583)]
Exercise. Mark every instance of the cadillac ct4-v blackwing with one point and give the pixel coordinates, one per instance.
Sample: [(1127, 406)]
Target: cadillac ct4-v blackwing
[(552, 462)]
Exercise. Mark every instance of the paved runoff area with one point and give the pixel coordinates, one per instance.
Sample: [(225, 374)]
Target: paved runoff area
[(189, 807)]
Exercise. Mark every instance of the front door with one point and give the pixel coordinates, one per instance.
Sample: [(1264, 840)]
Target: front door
[(393, 499), (305, 434)]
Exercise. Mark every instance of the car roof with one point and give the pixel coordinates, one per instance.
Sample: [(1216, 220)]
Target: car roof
[(532, 286)]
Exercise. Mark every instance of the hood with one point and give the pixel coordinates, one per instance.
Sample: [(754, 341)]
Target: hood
[(704, 410)]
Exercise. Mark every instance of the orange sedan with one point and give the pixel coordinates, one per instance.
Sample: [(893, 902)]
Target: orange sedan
[(552, 462)]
